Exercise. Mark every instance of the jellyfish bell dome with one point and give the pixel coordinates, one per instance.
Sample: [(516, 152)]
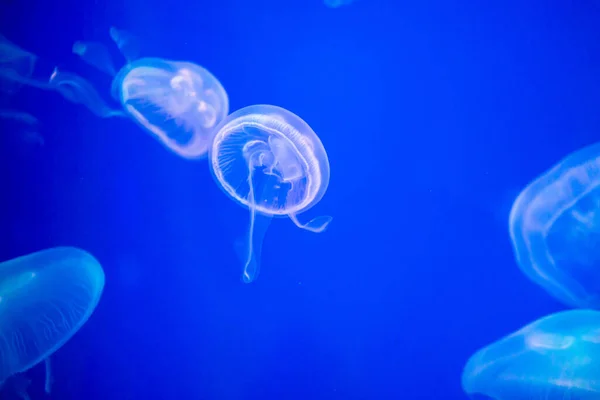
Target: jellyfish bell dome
[(179, 102), (555, 229), (554, 358), (45, 298), (281, 142)]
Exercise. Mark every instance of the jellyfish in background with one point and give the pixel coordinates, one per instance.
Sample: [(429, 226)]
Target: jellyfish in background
[(554, 358), (269, 160), (22, 125), (17, 67), (337, 3), (45, 297), (179, 102), (555, 229)]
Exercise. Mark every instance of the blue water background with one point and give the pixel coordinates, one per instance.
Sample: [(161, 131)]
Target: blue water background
[(434, 115)]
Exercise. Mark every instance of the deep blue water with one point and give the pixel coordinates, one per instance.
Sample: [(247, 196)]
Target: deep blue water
[(434, 116)]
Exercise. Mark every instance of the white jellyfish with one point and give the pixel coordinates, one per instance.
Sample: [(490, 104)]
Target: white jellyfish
[(269, 160), (179, 102)]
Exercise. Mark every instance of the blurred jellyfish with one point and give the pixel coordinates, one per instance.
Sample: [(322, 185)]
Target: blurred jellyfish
[(45, 297), (17, 68), (554, 358), (269, 160), (16, 387), (179, 102), (337, 3), (25, 124), (555, 229)]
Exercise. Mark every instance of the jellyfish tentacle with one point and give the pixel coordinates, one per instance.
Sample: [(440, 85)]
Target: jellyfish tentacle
[(317, 224), (79, 91), (96, 55), (49, 380), (126, 43)]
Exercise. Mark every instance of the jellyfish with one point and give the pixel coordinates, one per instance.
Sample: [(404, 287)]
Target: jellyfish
[(555, 229), (45, 297), (556, 357), (269, 160), (180, 103)]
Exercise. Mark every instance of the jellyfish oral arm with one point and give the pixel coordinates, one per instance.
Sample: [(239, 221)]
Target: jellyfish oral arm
[(256, 231), (126, 43)]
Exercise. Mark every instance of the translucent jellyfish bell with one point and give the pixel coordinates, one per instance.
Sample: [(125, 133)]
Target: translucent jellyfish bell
[(269, 160), (45, 297), (555, 229), (179, 102), (554, 358)]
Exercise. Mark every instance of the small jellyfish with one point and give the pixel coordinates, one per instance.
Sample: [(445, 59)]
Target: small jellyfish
[(269, 160), (45, 297), (179, 102), (554, 358), (555, 229)]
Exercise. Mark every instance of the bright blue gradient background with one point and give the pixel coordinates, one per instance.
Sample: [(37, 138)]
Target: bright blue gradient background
[(434, 116)]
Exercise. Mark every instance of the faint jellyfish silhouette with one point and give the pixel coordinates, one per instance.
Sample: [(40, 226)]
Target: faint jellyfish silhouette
[(45, 297), (555, 229), (25, 125), (179, 102), (269, 160), (337, 3), (17, 68), (554, 358)]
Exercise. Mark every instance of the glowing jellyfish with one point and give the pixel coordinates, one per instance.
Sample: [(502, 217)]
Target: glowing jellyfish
[(45, 297), (554, 358), (179, 102), (555, 229), (269, 160)]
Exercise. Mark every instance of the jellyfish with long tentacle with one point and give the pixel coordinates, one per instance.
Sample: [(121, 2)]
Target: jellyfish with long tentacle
[(269, 160), (180, 103), (45, 298)]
